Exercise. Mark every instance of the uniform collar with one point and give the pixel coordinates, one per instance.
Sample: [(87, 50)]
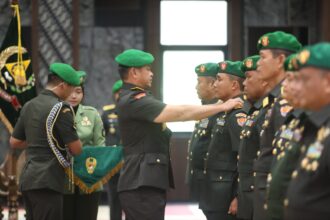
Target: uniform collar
[(258, 103), (49, 93), (276, 91), (247, 106), (129, 86), (318, 118)]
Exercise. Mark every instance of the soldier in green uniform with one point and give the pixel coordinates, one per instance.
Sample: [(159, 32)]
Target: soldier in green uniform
[(42, 178), (286, 150), (255, 89), (110, 122), (147, 173), (77, 204), (308, 195), (201, 135), (273, 48), (219, 190)]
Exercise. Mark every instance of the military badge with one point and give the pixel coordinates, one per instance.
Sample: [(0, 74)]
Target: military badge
[(91, 163), (241, 119), (249, 63), (202, 69), (249, 123), (303, 56), (287, 134), (85, 121), (315, 150), (265, 41), (223, 65), (285, 109)]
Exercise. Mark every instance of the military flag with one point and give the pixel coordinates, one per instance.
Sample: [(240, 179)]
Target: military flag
[(17, 81)]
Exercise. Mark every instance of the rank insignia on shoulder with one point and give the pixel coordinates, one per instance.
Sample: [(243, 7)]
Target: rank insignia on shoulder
[(265, 102), (137, 88), (140, 95)]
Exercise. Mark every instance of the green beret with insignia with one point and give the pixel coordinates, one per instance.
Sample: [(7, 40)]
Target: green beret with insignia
[(232, 68), (66, 73), (207, 69), (290, 63), (134, 58), (279, 40), (317, 55), (117, 86), (250, 63)]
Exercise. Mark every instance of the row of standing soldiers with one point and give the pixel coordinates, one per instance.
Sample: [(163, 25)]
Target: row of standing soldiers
[(269, 159)]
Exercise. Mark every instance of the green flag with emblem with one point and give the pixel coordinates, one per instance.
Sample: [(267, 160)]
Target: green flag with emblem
[(95, 166), (17, 81)]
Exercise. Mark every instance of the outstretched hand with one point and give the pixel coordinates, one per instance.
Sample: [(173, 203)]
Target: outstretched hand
[(232, 104)]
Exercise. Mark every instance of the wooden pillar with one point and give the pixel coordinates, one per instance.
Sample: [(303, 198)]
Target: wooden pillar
[(75, 33), (325, 20), (235, 29), (35, 41), (152, 41)]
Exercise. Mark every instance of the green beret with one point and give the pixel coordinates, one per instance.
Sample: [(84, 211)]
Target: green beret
[(207, 69), (134, 58), (279, 40), (317, 55), (117, 86), (232, 68), (66, 73), (290, 63), (250, 63)]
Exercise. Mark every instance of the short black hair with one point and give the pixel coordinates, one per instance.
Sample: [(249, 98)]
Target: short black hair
[(239, 80), (54, 80), (277, 52), (123, 71)]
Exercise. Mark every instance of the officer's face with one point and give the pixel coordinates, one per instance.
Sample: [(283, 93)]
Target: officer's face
[(291, 87), (67, 90), (205, 89), (315, 91), (144, 76), (269, 65), (76, 96), (254, 86), (223, 86)]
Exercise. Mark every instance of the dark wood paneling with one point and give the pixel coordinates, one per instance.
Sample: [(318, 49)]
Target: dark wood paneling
[(235, 27)]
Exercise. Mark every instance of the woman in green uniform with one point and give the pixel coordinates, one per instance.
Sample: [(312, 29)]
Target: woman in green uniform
[(77, 204)]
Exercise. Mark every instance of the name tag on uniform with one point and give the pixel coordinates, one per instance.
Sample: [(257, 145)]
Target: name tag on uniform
[(287, 134), (203, 123), (221, 121)]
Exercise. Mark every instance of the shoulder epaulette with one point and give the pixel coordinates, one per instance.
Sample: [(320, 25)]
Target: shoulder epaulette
[(89, 108), (137, 88), (265, 102), (283, 102), (108, 107)]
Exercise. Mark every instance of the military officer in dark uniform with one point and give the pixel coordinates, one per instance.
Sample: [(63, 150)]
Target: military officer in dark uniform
[(286, 149), (219, 190), (255, 89), (42, 178), (111, 127), (308, 195), (147, 173), (273, 49), (201, 135)]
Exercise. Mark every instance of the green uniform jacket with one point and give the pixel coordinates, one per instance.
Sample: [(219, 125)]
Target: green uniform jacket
[(219, 187), (286, 154), (90, 130), (42, 169)]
